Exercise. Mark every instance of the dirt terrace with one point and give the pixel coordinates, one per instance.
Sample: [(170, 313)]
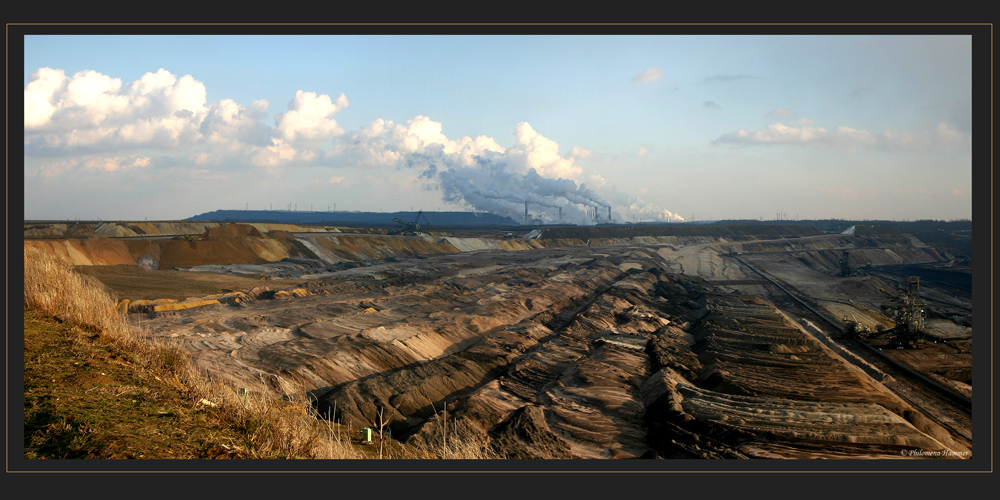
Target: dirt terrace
[(589, 344), (667, 350)]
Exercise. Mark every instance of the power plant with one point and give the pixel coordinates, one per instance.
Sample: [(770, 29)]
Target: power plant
[(592, 215)]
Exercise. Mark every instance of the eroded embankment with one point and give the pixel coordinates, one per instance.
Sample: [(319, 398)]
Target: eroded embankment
[(254, 244), (568, 351), (185, 245), (558, 355)]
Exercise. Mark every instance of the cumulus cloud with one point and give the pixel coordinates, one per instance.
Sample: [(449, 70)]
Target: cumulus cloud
[(385, 143), (162, 93), (941, 136), (93, 123), (276, 155), (310, 117), (40, 101), (229, 124), (93, 113), (650, 75), (534, 151)]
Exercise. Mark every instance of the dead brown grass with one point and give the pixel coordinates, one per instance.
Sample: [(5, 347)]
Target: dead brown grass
[(272, 429)]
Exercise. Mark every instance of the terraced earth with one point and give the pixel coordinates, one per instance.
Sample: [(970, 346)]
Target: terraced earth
[(629, 346)]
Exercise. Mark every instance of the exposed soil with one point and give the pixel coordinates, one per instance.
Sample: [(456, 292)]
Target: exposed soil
[(644, 347)]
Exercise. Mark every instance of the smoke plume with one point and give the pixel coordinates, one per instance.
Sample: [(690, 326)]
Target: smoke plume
[(484, 176)]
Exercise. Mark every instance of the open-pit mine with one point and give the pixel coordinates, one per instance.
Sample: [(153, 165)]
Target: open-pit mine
[(731, 341)]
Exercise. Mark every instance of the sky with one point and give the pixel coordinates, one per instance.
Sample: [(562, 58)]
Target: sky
[(663, 127)]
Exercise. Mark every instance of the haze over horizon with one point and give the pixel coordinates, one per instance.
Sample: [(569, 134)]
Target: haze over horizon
[(658, 127)]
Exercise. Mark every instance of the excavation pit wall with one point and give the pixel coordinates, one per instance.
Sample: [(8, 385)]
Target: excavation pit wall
[(169, 245), (246, 244), (538, 358)]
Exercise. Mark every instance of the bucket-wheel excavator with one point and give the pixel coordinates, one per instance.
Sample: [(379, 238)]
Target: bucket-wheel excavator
[(909, 314), (410, 228)]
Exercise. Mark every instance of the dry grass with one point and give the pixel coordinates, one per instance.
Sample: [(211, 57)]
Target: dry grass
[(51, 287), (270, 427)]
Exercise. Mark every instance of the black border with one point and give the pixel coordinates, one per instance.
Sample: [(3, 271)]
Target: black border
[(588, 475)]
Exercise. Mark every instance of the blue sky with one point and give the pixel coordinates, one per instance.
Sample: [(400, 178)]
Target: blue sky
[(658, 127)]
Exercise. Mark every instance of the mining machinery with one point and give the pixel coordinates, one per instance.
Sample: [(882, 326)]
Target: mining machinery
[(845, 265), (409, 228), (909, 314)]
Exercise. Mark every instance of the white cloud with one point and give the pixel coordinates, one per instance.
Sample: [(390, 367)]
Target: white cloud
[(230, 125), (111, 164), (310, 117), (385, 143), (643, 151), (650, 75), (274, 156), (162, 93), (578, 152), (40, 97), (775, 133), (942, 136), (92, 123), (53, 168), (95, 95), (535, 151), (94, 111)]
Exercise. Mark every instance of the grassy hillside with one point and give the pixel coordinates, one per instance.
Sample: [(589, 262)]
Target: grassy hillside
[(86, 397)]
